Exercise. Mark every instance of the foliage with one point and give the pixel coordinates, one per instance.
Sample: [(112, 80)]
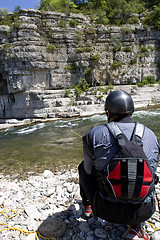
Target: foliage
[(143, 49), (148, 80), (117, 47), (70, 67), (66, 6), (51, 48), (101, 11), (117, 12), (89, 49), (62, 23), (80, 50), (153, 48), (83, 86), (99, 97), (89, 71), (116, 64), (95, 58), (127, 49), (4, 12), (153, 17), (5, 47), (134, 20), (127, 30), (11, 20), (73, 23), (67, 92), (90, 30), (133, 61)]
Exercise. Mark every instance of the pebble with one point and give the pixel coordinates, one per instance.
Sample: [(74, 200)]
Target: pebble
[(50, 204)]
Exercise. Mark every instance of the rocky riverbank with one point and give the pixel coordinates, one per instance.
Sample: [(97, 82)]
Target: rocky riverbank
[(51, 205)]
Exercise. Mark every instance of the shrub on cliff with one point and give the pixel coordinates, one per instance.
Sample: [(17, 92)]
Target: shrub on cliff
[(11, 20), (83, 86), (148, 80), (152, 18)]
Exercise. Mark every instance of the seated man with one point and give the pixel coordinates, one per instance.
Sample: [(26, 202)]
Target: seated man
[(100, 146)]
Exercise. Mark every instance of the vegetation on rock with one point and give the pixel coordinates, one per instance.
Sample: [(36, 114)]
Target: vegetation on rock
[(116, 12)]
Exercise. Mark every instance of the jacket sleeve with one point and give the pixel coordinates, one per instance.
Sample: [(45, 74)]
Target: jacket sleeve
[(151, 148), (88, 151), (154, 158)]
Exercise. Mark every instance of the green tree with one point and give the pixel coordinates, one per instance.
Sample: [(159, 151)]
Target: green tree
[(153, 17), (57, 5)]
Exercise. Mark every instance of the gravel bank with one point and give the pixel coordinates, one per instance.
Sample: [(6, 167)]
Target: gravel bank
[(51, 204)]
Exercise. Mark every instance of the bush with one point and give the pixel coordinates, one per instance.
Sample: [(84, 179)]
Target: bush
[(153, 48), (5, 47), (11, 20), (73, 23), (143, 49), (67, 92), (80, 50), (116, 64), (102, 20), (117, 47), (148, 80), (62, 23), (134, 20), (99, 97), (89, 49), (109, 87), (83, 86), (95, 58), (90, 30), (127, 30), (133, 61), (88, 71), (127, 49), (152, 17), (70, 67), (51, 48)]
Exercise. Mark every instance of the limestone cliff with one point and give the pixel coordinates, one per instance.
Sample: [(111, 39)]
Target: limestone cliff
[(50, 51)]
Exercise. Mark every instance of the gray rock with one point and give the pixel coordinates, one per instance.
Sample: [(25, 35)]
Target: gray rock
[(52, 227), (100, 233), (84, 226), (156, 236)]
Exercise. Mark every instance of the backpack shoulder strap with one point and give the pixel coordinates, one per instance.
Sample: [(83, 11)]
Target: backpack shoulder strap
[(114, 129), (117, 133), (139, 130), (138, 133)]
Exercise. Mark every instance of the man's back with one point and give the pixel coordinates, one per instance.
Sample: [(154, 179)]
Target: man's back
[(105, 145)]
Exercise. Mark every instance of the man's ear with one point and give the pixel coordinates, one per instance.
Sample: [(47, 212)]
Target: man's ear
[(109, 116)]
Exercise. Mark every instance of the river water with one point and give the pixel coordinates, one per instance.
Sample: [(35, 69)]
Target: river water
[(54, 145)]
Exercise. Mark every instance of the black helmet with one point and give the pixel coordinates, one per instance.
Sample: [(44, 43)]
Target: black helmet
[(119, 102)]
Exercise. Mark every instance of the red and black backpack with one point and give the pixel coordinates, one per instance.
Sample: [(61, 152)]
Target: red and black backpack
[(128, 176)]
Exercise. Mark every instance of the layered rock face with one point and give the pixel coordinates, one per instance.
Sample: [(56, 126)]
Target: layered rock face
[(51, 51)]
